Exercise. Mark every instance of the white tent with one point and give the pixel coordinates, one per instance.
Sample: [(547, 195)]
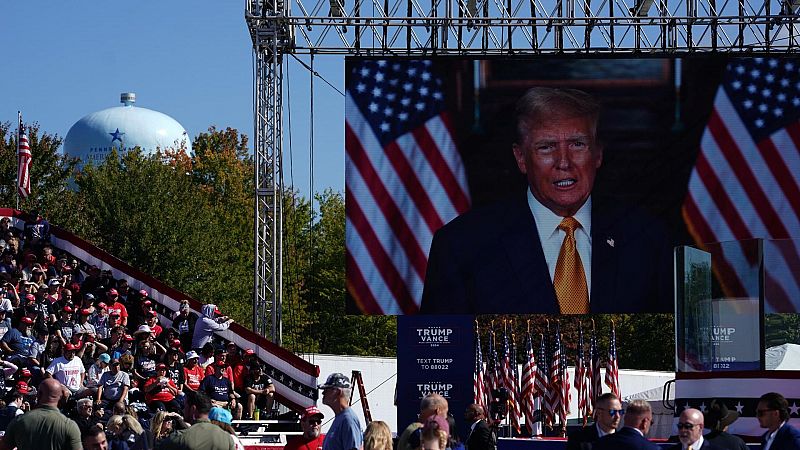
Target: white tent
[(662, 416), (783, 357)]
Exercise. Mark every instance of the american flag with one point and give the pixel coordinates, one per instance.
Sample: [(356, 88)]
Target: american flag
[(23, 161), (542, 380), (530, 400), (566, 396), (581, 384), (553, 399), (510, 380), (404, 179), (479, 392), (745, 181), (593, 375), (493, 381), (612, 366)]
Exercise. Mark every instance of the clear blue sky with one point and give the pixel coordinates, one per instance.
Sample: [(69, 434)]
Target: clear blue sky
[(190, 60)]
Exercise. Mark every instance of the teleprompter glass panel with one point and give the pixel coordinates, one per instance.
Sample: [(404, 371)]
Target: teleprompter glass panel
[(718, 306)]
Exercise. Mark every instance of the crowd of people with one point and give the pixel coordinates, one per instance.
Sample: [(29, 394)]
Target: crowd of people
[(78, 344)]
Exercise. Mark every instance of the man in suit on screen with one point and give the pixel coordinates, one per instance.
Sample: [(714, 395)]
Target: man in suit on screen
[(548, 250)]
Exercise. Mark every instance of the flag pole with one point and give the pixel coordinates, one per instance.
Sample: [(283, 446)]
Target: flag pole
[(19, 125)]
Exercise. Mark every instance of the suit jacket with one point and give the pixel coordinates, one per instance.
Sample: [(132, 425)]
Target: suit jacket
[(725, 440), (480, 438), (625, 439), (583, 438), (490, 261), (788, 438), (706, 446)]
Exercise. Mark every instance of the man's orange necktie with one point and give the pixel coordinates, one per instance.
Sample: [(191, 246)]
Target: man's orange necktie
[(569, 279)]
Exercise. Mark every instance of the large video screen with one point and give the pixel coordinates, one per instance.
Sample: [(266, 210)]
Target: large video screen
[(562, 185)]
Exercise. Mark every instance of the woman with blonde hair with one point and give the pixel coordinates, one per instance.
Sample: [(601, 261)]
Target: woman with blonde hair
[(434, 435), (164, 423), (378, 436), (126, 429)]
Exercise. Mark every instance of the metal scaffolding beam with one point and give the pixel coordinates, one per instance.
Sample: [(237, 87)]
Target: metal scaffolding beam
[(474, 28)]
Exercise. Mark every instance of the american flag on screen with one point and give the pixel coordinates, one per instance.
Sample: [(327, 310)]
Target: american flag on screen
[(612, 365), (745, 182), (404, 179), (23, 161)]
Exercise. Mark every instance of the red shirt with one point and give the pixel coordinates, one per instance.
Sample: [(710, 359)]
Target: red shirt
[(193, 377), (240, 371), (119, 308), (303, 443), (160, 395)]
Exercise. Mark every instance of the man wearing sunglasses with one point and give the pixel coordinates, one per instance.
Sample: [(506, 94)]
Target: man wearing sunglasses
[(607, 416), (690, 432), (773, 414), (312, 437), (637, 420)]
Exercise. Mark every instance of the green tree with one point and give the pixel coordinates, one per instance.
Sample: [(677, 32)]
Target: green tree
[(50, 172), (315, 288)]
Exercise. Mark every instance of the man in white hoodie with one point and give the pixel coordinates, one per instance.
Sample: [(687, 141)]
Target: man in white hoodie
[(210, 323)]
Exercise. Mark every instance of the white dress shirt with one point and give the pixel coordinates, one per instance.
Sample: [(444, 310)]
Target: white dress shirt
[(695, 445), (551, 237), (771, 437)]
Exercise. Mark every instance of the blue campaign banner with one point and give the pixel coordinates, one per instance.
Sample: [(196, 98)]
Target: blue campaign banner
[(434, 354)]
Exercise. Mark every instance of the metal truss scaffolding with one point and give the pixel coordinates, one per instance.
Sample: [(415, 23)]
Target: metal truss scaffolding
[(476, 28)]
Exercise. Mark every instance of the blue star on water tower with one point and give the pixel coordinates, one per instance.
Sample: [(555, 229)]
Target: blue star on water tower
[(116, 136)]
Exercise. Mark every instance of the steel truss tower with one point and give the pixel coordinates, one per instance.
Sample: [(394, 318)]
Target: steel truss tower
[(420, 28)]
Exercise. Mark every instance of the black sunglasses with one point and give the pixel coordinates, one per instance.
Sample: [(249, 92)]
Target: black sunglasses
[(686, 426)]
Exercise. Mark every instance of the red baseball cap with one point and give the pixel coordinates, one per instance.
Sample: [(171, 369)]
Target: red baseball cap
[(312, 411), (67, 309), (26, 373), (113, 291), (26, 320), (161, 366), (71, 347), (85, 312), (30, 297), (129, 338), (143, 293), (23, 388), (102, 305), (249, 351), (147, 303), (176, 343)]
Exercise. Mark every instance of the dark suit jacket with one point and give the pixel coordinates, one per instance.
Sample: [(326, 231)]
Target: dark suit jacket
[(625, 439), (725, 440), (583, 438), (706, 446), (480, 438), (490, 261), (788, 438)]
